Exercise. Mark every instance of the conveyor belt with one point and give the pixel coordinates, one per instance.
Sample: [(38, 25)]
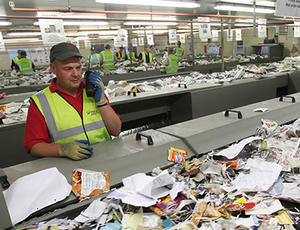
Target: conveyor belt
[(126, 156), (173, 105)]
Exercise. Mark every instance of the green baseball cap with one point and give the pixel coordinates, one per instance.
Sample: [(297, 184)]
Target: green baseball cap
[(63, 51)]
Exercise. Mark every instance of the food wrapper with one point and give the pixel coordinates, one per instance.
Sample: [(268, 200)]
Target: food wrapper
[(176, 155), (87, 183), (240, 207), (283, 218), (203, 212)]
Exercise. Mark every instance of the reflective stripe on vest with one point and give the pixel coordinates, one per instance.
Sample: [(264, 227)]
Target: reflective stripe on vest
[(144, 57), (97, 57), (25, 65), (172, 66), (15, 59), (179, 52), (131, 56), (77, 129), (108, 59)]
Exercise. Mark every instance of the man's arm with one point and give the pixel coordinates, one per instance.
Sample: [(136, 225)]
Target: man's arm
[(45, 150), (111, 120)]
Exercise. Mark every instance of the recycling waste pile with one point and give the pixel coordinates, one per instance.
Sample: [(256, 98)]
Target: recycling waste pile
[(251, 184), (120, 88), (10, 115), (11, 78)]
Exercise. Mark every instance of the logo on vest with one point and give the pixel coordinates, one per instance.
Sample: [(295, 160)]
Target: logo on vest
[(92, 112)]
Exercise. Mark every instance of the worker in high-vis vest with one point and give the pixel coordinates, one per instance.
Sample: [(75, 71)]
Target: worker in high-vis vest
[(94, 58), (131, 56), (179, 51), (62, 119), (15, 59), (170, 62), (121, 54), (25, 65), (146, 56), (107, 58)]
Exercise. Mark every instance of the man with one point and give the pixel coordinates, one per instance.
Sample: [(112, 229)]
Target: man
[(179, 51), (131, 55), (146, 56), (107, 58), (170, 62), (24, 65), (94, 58), (62, 120), (155, 51), (121, 54), (15, 59)]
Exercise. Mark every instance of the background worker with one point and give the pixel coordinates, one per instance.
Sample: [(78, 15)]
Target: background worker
[(170, 62), (120, 55), (107, 58), (15, 59), (146, 56), (131, 55), (94, 58), (25, 65), (62, 120), (294, 51), (179, 52)]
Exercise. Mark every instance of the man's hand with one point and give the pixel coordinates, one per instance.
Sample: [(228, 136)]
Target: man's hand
[(99, 95), (76, 150)]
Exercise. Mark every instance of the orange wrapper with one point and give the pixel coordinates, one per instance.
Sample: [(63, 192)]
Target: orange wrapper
[(87, 183)]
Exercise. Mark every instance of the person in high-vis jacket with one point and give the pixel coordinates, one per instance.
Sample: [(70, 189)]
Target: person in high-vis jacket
[(121, 54), (94, 58), (24, 65), (62, 120), (170, 62), (179, 51), (146, 56), (15, 59), (107, 58)]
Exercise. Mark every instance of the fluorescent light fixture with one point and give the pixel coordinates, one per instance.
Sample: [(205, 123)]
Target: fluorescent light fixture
[(105, 32), (5, 23), (22, 40), (84, 23), (181, 4), (20, 34), (244, 9), (149, 23), (148, 17), (250, 2), (79, 23)]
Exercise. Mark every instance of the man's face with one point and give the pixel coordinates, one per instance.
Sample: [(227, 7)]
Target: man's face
[(68, 73), (147, 49)]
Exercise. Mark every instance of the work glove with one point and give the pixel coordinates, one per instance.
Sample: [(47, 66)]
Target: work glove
[(95, 79), (76, 150)]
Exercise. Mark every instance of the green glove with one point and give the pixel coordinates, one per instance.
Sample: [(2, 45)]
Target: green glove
[(76, 150)]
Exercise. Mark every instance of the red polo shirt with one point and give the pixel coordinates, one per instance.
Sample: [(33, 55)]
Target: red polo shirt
[(36, 129)]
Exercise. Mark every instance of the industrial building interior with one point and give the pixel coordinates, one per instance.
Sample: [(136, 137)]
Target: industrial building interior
[(209, 141)]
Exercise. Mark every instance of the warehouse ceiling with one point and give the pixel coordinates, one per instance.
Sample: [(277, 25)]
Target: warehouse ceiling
[(206, 7)]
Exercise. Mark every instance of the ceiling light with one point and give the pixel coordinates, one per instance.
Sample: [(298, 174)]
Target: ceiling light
[(244, 9), (20, 34), (79, 23), (5, 23), (250, 2), (84, 23), (21, 40), (105, 32), (181, 4), (149, 23)]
